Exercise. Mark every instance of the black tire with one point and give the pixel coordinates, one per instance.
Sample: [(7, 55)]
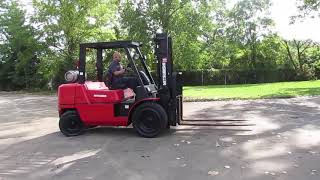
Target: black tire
[(70, 124), (149, 119)]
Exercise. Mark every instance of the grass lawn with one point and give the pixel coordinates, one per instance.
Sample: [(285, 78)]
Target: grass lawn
[(253, 91)]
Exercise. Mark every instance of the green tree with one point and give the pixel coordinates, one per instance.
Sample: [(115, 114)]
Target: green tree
[(303, 55), (65, 24), (19, 49), (271, 53), (184, 20), (248, 23), (299, 54)]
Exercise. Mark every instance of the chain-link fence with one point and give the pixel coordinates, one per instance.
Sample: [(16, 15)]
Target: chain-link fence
[(224, 77)]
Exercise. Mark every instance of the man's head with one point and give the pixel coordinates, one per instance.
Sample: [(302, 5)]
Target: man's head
[(116, 56)]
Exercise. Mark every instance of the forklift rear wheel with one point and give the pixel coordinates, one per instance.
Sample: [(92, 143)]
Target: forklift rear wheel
[(70, 124), (149, 119)]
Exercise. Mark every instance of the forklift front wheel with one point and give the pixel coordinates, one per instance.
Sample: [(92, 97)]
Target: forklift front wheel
[(149, 119), (70, 124)]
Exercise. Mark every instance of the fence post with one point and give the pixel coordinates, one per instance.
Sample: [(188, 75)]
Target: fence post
[(202, 77)]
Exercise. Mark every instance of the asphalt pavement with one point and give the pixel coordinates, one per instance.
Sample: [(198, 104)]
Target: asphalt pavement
[(272, 139)]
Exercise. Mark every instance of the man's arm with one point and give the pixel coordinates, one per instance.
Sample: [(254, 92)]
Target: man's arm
[(120, 72)]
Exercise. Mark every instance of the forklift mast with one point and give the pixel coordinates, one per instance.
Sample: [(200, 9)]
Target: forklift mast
[(164, 59), (169, 82)]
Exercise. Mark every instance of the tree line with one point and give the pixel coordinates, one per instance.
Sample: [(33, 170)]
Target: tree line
[(207, 35)]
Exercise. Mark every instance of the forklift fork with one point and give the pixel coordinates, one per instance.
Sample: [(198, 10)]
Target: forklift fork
[(207, 122), (215, 122)]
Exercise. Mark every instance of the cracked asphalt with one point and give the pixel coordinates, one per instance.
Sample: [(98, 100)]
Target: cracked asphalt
[(281, 141)]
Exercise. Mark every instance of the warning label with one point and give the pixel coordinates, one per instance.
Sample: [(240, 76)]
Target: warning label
[(164, 60)]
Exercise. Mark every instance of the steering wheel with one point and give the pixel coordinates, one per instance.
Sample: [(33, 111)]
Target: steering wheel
[(129, 67), (144, 77)]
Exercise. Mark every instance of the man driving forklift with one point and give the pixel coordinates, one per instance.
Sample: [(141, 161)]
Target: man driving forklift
[(116, 73)]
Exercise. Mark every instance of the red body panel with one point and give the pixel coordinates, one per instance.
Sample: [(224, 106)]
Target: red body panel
[(66, 94), (105, 96), (93, 101), (100, 114)]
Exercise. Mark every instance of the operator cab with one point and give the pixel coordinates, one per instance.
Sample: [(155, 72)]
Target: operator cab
[(136, 65)]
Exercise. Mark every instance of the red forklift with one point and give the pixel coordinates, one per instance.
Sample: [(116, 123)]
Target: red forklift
[(155, 107)]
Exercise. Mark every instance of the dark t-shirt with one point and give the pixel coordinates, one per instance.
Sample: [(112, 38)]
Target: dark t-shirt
[(114, 66)]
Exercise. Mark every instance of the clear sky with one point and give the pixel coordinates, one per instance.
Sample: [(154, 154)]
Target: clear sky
[(281, 11)]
